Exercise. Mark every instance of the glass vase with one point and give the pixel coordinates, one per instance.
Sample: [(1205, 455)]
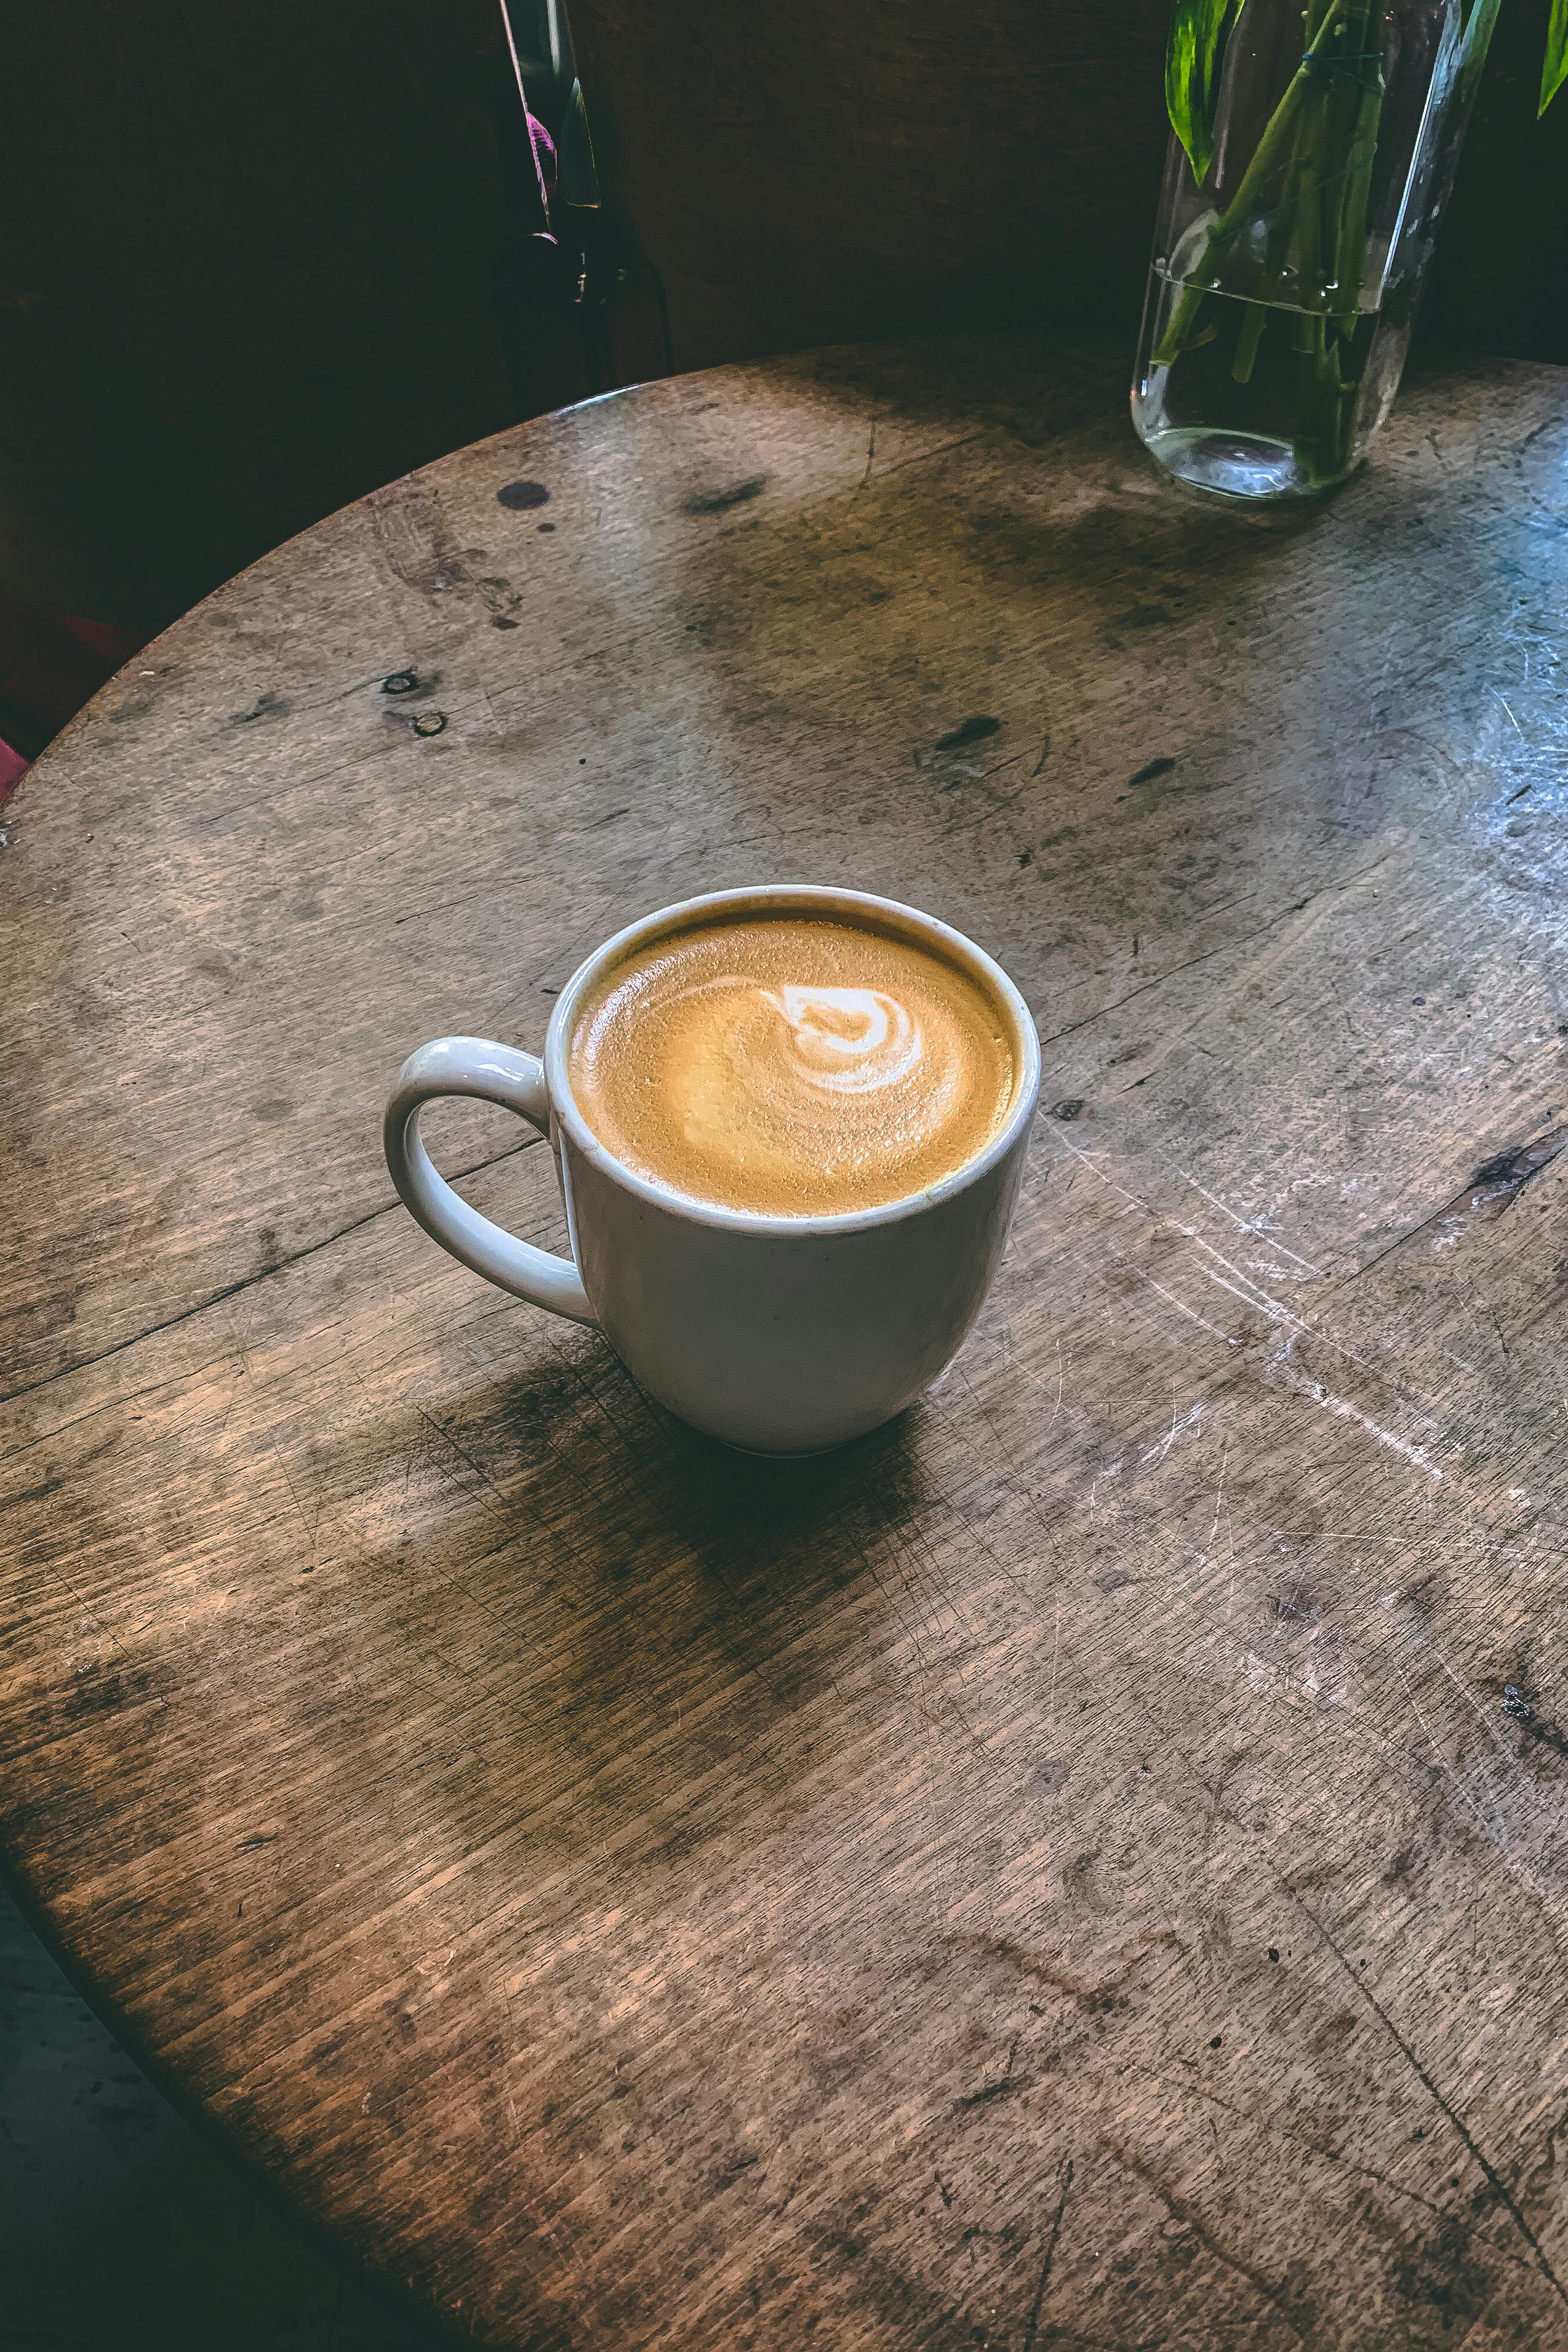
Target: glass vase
[(1284, 286)]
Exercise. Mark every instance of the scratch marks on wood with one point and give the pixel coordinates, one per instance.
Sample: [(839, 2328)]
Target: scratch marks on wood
[(1492, 1832), (1342, 1410), (1219, 1498), (1018, 1366), (1273, 2129), (1495, 2181), (1226, 946), (114, 1404), (1032, 2326), (1492, 1191), (1243, 1286), (1220, 1270), (1250, 1293), (467, 1460), (1191, 1312), (413, 535), (1189, 1420), (264, 1274), (1262, 1227), (1481, 1712), (928, 456), (1189, 2218), (1056, 1661)]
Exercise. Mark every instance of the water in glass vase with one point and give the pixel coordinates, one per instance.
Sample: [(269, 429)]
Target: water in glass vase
[(1294, 233), (1261, 400)]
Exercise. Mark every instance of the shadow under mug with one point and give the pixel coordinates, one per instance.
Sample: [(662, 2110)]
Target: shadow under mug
[(779, 1335)]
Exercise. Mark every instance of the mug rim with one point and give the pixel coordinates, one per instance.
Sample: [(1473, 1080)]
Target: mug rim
[(768, 897)]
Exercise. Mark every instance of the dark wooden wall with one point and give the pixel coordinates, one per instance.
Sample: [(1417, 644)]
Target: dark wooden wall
[(806, 172), (255, 261), (246, 273), (835, 167), (1501, 280)]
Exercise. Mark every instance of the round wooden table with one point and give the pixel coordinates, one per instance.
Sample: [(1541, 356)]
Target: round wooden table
[(1086, 1867)]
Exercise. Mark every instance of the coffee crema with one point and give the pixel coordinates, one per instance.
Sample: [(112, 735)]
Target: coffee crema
[(794, 1065)]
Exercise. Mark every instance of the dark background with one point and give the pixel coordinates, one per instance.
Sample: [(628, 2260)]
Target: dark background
[(256, 261), (120, 2230)]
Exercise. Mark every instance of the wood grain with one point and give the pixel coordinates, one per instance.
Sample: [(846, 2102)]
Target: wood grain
[(1085, 1867)]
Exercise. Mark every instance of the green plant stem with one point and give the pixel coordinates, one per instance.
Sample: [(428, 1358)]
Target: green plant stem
[(1324, 133), (1230, 224), (1247, 340), (1353, 116), (1315, 148), (1282, 227), (1233, 220), (1356, 116)]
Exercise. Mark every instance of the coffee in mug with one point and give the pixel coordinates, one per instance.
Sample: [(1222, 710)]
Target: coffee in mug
[(791, 1066), (790, 1124)]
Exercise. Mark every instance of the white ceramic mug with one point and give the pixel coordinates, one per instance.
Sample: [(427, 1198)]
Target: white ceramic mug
[(780, 1335)]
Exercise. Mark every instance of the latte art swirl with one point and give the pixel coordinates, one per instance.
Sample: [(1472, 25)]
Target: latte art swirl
[(850, 1039), (791, 1066)]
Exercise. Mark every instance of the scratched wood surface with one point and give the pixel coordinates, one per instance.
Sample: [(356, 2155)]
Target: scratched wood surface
[(1086, 1867)]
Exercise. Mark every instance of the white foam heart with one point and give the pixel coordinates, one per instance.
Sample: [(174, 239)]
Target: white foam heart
[(850, 1039)]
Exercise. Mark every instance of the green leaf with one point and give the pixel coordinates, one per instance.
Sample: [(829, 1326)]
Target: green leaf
[(1192, 60), (1554, 71)]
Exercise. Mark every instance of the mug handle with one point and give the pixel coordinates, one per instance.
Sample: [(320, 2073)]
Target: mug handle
[(497, 1074)]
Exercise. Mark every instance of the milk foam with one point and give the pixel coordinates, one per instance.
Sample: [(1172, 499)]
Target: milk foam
[(850, 1039), (791, 1066)]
